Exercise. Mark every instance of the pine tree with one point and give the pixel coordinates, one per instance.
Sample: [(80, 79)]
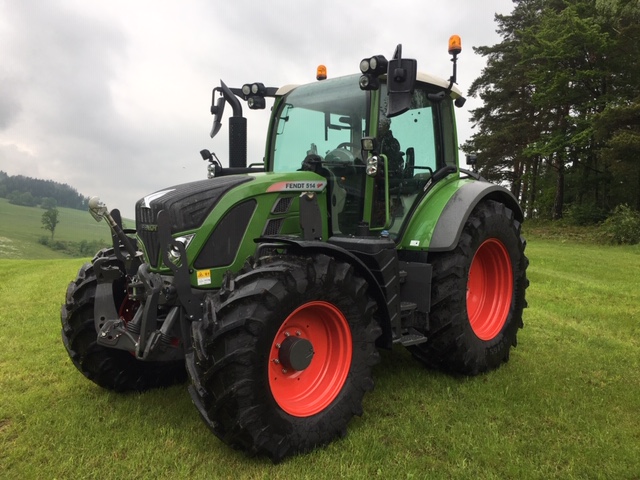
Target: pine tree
[(561, 116)]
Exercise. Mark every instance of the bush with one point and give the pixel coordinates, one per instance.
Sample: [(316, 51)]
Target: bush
[(623, 226), (583, 215), (48, 203), (83, 248), (25, 199)]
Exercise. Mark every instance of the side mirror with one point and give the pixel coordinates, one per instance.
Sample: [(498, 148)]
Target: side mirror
[(217, 109), (401, 82)]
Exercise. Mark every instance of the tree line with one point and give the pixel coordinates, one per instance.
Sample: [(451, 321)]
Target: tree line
[(28, 191), (560, 120)]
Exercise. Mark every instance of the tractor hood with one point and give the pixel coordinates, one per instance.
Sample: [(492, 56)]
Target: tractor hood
[(224, 214), (188, 206)]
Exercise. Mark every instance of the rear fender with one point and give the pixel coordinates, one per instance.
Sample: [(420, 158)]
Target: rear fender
[(457, 210)]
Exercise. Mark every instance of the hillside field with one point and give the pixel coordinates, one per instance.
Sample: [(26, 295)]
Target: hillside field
[(21, 227)]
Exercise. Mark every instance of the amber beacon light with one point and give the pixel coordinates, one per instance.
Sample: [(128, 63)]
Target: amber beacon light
[(321, 72), (455, 45)]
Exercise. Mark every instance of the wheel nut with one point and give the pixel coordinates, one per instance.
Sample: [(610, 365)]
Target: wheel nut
[(287, 334), (284, 370), (276, 361)]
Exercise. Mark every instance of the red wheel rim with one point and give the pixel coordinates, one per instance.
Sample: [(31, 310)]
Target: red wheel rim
[(489, 289), (308, 391), (128, 309)]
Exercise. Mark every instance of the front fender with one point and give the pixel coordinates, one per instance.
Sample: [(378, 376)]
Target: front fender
[(309, 247)]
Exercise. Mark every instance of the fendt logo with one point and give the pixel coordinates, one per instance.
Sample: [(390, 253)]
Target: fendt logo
[(148, 227)]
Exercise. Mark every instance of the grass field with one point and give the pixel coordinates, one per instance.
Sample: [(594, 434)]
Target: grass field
[(21, 227), (565, 406)]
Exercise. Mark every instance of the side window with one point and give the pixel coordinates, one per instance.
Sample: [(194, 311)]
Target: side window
[(409, 140)]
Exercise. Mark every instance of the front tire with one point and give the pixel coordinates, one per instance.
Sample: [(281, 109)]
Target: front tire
[(284, 356), (478, 295), (108, 367)]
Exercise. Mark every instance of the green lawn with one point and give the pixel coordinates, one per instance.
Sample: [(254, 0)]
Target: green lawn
[(565, 406)]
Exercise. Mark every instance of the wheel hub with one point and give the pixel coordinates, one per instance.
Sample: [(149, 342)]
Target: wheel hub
[(296, 353)]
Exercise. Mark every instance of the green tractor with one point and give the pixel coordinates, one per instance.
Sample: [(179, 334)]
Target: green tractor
[(272, 286)]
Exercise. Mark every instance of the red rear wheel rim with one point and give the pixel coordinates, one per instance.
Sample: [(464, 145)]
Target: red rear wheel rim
[(489, 289), (309, 391)]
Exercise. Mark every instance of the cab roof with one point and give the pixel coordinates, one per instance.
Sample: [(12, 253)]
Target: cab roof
[(421, 77)]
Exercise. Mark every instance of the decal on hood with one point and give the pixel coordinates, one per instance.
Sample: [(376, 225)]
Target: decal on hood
[(298, 186)]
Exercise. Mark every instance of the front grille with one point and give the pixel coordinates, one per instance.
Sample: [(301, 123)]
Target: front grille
[(222, 246), (147, 229), (273, 226), (282, 205)]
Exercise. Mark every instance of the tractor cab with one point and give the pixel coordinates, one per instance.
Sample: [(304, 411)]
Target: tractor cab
[(336, 130), (380, 139)]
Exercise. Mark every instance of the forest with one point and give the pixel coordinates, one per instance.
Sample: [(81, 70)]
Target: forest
[(27, 191), (560, 119)]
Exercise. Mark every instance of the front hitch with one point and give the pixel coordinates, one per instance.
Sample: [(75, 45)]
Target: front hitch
[(141, 335)]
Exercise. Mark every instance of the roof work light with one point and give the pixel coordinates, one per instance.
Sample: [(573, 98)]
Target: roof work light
[(371, 69), (254, 94)]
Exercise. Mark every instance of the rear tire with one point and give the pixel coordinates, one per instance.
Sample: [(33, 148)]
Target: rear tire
[(284, 356), (478, 294), (107, 367)]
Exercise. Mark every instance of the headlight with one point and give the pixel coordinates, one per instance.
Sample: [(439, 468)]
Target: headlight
[(174, 251)]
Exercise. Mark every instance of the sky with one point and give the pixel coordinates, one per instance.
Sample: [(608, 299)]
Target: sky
[(113, 97)]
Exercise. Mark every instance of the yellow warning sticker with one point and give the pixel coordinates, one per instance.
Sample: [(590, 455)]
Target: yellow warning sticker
[(204, 277)]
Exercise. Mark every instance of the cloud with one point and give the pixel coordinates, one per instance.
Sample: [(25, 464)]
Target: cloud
[(9, 106), (113, 97)]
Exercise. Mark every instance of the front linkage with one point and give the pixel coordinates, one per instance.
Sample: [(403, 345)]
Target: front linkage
[(159, 329), (142, 318)]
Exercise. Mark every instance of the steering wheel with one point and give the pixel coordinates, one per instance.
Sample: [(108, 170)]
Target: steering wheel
[(344, 146), (340, 155)]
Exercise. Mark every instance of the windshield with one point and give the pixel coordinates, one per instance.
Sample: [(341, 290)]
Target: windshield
[(327, 118), (321, 124)]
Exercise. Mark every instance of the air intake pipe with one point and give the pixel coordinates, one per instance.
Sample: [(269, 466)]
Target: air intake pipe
[(237, 130)]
